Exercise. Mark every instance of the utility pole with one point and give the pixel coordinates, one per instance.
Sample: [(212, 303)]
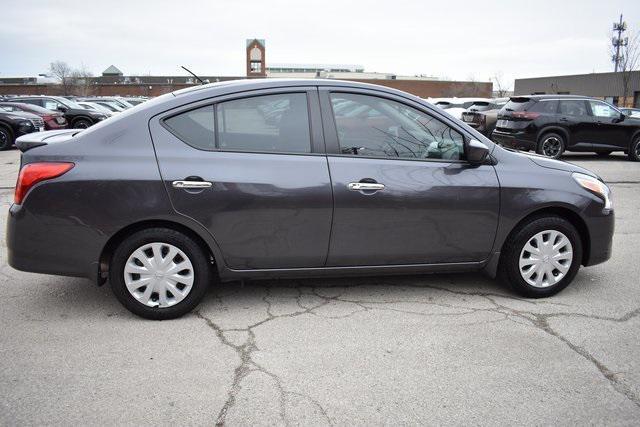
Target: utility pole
[(618, 42)]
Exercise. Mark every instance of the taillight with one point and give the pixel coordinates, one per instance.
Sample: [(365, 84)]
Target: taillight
[(33, 173), (525, 115)]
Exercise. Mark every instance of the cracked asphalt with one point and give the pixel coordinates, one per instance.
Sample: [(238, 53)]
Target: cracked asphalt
[(435, 349)]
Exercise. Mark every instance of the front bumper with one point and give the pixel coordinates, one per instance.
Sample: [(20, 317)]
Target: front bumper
[(601, 228)]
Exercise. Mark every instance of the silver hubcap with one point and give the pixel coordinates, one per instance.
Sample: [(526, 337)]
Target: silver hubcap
[(638, 150), (546, 258), (158, 275), (551, 146)]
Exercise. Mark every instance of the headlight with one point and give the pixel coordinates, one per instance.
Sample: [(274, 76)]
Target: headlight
[(595, 186), (25, 125)]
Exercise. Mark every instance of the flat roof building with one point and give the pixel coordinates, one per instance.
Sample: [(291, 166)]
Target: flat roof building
[(621, 88)]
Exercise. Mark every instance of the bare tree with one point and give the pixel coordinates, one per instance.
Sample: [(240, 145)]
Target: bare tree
[(62, 72), (500, 89), (628, 62), (81, 80)]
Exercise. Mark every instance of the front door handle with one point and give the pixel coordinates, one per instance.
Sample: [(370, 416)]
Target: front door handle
[(365, 186), (191, 184)]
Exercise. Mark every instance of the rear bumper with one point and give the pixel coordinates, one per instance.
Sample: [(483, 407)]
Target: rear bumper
[(518, 140), (37, 247)]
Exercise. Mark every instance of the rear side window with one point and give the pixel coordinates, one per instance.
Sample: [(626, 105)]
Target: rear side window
[(545, 107), (573, 108), (270, 123), (195, 127), (518, 104)]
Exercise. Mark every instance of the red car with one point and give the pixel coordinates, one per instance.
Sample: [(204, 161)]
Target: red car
[(52, 119)]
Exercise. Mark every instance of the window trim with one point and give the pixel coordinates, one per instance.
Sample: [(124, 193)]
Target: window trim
[(331, 132), (316, 139)]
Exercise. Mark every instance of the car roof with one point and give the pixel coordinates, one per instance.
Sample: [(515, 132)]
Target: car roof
[(255, 84), (552, 96)]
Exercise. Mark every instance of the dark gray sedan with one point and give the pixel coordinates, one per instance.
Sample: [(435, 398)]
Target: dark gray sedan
[(295, 178)]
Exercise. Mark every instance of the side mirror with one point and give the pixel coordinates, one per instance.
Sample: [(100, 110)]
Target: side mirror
[(477, 152), (622, 117), (62, 108)]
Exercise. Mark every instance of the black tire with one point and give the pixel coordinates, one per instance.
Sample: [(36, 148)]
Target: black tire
[(634, 151), (551, 145), (603, 153), (6, 138), (194, 253), (509, 268), (81, 124)]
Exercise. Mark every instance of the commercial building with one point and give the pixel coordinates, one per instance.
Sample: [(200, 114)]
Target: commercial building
[(621, 88)]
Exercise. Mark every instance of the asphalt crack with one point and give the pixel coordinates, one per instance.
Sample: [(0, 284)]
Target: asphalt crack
[(539, 321)]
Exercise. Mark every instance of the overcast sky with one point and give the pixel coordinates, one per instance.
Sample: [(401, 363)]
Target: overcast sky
[(446, 38)]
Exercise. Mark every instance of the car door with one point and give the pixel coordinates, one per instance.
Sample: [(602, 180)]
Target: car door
[(403, 193), (574, 117), (608, 131), (252, 170)]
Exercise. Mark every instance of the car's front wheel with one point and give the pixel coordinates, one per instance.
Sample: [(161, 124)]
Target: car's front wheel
[(6, 138), (541, 257), (551, 145), (159, 273), (634, 152)]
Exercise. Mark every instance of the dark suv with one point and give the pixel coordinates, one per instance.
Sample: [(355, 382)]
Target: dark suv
[(77, 117), (552, 124)]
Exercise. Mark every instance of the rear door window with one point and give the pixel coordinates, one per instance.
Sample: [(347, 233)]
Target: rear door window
[(270, 123), (574, 107)]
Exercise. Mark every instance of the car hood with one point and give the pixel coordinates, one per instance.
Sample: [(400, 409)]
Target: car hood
[(548, 163)]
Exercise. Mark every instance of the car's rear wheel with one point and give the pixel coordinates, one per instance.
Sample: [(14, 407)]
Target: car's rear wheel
[(81, 124), (541, 257), (551, 145), (159, 273), (6, 138), (634, 152), (603, 153)]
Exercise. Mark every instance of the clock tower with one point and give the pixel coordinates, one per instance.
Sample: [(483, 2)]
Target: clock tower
[(256, 65)]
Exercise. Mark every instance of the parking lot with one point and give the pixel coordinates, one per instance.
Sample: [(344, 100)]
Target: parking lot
[(381, 350)]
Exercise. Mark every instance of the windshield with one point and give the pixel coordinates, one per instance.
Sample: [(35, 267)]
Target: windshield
[(69, 103)]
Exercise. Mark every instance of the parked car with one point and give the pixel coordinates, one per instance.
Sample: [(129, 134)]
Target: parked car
[(457, 106), (16, 123), (96, 107), (631, 112), (122, 103), (52, 119), (483, 115), (159, 199), (553, 124), (77, 117)]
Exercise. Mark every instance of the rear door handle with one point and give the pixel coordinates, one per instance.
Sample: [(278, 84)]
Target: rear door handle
[(564, 119), (365, 186), (191, 184)]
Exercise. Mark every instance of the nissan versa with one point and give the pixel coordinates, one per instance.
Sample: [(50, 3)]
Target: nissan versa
[(295, 178)]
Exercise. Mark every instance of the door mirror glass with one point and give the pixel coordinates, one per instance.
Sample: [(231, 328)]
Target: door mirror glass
[(477, 152), (62, 108)]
